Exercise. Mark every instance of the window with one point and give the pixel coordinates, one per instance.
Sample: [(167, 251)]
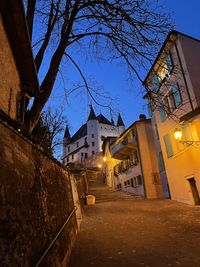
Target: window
[(93, 143), (93, 152), (177, 100), (81, 154), (77, 144), (92, 135), (132, 182), (139, 179), (169, 62), (67, 159), (68, 148), (72, 156), (85, 139), (155, 84), (168, 145), (86, 155), (161, 165)]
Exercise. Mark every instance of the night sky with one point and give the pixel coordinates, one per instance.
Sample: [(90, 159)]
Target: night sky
[(113, 78)]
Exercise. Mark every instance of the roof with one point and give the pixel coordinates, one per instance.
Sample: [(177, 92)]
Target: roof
[(120, 121), (102, 119), (92, 115), (17, 31), (67, 133), (169, 37), (82, 131)]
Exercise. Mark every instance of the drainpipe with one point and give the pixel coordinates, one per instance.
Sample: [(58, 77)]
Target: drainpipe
[(185, 81)]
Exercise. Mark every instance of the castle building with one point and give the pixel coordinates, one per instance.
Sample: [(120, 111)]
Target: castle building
[(87, 141)]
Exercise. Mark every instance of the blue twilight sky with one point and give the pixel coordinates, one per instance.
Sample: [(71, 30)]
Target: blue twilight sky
[(113, 78)]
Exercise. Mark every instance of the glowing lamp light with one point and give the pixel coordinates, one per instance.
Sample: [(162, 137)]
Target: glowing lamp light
[(99, 166), (178, 134), (104, 159)]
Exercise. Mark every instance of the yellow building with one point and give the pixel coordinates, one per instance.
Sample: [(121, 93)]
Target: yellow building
[(131, 163), (173, 91)]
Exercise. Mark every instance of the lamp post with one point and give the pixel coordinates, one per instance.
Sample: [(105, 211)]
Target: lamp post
[(178, 136)]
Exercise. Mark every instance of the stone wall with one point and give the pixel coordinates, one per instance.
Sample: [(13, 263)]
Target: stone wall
[(35, 200)]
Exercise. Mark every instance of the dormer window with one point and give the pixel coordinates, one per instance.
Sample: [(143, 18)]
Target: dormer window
[(169, 63), (155, 84)]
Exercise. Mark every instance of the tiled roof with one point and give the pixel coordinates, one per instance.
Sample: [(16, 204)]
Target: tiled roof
[(82, 131), (103, 119)]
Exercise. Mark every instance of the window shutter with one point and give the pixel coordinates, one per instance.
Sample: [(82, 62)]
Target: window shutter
[(162, 113), (168, 145), (169, 62), (155, 83), (176, 94)]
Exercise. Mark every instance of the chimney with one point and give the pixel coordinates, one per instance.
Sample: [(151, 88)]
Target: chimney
[(142, 117)]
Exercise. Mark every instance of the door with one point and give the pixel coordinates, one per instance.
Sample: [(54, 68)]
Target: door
[(194, 190)]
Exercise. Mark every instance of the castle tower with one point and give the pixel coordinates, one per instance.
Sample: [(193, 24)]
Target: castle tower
[(120, 124)]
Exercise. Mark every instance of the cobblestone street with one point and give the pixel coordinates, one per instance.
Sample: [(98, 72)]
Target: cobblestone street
[(138, 232)]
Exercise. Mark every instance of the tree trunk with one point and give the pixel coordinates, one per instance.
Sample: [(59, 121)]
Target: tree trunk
[(46, 88)]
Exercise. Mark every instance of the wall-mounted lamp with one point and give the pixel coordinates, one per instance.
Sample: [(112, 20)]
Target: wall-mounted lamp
[(99, 166), (178, 136), (104, 159)]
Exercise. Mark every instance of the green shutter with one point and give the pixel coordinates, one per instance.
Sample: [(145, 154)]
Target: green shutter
[(155, 83), (169, 62), (176, 94), (168, 145)]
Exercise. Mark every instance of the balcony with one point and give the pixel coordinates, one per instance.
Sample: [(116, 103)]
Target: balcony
[(123, 149)]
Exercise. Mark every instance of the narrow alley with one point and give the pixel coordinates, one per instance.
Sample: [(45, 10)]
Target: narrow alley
[(124, 230)]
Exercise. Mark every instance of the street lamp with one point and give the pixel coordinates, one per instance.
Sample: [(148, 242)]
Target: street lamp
[(178, 136), (104, 159)]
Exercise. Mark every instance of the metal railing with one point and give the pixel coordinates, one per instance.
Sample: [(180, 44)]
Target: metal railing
[(55, 238)]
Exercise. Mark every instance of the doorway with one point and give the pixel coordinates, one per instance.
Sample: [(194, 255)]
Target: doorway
[(194, 190)]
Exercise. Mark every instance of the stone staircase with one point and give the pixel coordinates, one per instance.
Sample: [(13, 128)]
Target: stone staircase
[(103, 193)]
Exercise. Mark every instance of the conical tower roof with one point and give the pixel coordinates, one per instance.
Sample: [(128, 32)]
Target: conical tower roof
[(120, 121), (92, 115), (67, 133)]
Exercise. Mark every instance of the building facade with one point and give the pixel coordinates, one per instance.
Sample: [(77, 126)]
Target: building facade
[(173, 92), (131, 163), (18, 78), (87, 142)]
